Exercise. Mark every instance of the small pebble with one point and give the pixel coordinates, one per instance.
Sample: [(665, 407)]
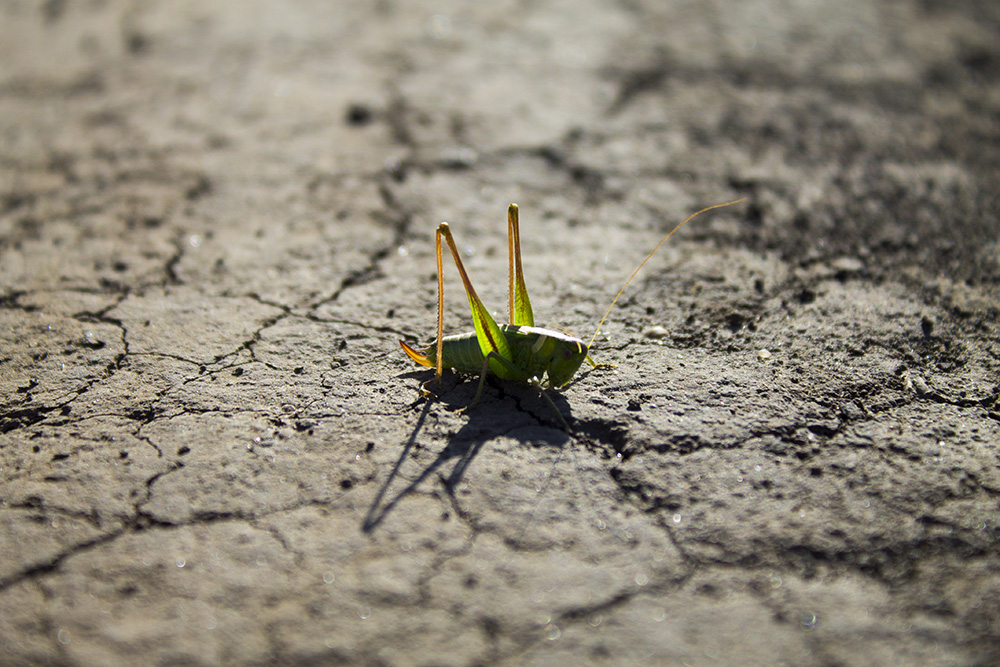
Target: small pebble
[(848, 265), (655, 332), (763, 354)]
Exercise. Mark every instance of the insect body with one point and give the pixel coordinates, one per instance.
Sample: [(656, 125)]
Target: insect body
[(540, 351), (518, 351)]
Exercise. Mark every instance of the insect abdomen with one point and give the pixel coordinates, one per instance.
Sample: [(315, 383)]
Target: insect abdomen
[(461, 352)]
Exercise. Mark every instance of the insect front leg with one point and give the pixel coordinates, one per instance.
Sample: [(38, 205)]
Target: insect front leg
[(552, 404), (534, 382), (486, 369)]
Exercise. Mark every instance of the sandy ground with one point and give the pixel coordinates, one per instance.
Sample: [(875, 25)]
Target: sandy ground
[(217, 219)]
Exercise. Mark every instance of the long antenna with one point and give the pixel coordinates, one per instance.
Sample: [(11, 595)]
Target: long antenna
[(664, 240)]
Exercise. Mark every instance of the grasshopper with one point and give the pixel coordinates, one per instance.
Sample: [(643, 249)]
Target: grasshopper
[(519, 351)]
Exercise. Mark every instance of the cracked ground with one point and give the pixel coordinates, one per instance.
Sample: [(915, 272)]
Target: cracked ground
[(217, 220)]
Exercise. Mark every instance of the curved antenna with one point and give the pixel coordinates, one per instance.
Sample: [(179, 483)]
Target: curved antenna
[(662, 241)]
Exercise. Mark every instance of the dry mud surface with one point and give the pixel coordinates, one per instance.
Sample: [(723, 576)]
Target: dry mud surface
[(217, 219)]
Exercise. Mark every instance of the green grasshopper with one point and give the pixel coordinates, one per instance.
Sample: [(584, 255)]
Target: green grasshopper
[(519, 351)]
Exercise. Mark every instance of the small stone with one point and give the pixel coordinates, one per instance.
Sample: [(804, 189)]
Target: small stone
[(763, 354), (655, 332), (847, 265)]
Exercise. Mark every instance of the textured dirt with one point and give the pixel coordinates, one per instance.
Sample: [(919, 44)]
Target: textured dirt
[(217, 219)]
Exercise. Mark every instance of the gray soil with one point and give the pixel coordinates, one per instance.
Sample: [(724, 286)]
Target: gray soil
[(217, 220)]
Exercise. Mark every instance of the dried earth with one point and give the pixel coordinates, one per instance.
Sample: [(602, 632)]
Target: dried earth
[(217, 219)]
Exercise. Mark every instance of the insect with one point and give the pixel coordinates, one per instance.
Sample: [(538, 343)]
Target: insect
[(519, 351)]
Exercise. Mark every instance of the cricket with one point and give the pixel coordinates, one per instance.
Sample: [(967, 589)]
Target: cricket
[(519, 351)]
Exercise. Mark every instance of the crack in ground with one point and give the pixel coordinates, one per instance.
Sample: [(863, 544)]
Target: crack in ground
[(36, 503), (142, 521), (37, 570), (26, 417), (361, 325), (400, 217)]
